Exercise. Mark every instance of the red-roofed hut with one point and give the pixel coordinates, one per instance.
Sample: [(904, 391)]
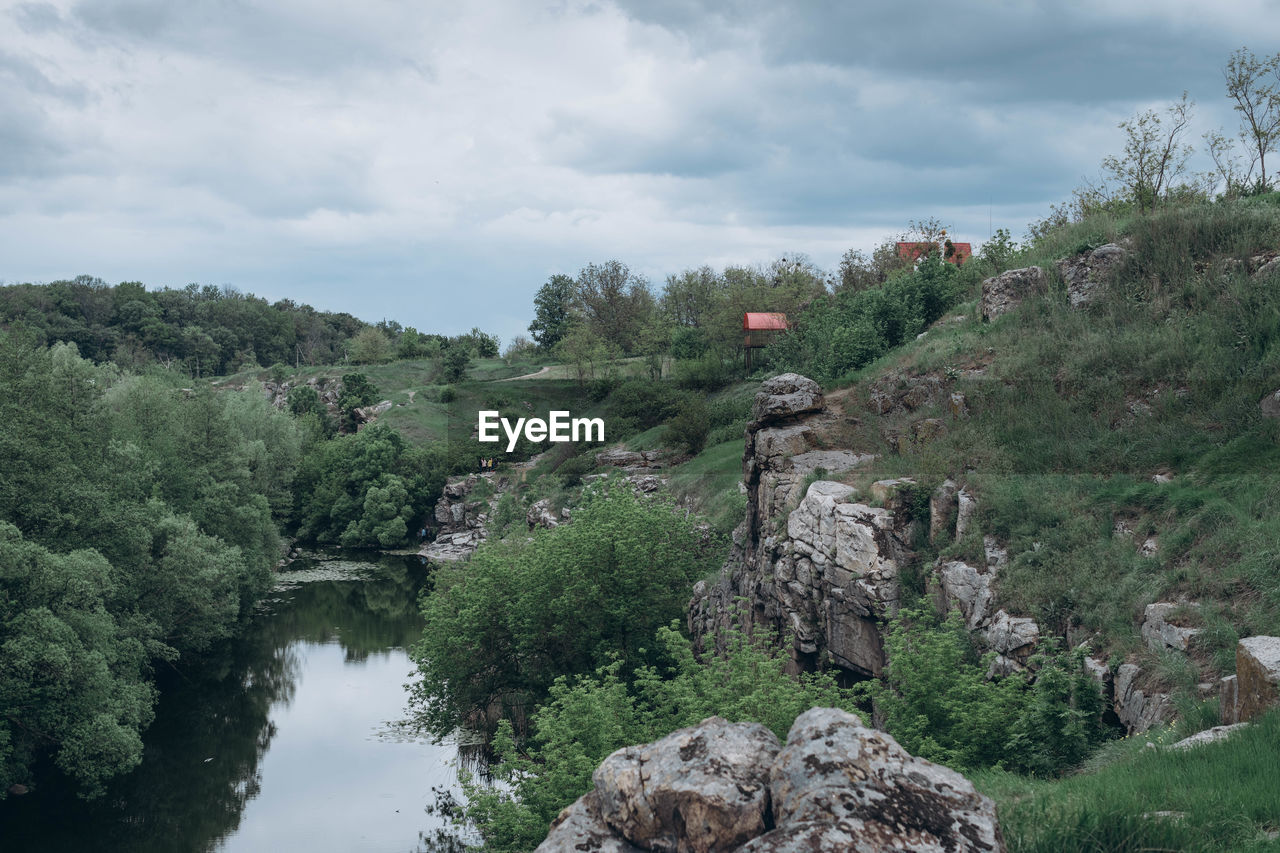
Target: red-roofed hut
[(760, 329), (959, 252)]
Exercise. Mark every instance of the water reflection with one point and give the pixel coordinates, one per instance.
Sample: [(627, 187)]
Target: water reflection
[(288, 740)]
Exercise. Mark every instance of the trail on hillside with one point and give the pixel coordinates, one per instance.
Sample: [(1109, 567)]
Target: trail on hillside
[(534, 375)]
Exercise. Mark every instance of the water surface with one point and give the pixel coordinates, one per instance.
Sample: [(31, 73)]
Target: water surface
[(292, 738)]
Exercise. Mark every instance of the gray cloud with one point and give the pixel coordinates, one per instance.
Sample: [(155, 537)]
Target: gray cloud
[(430, 162)]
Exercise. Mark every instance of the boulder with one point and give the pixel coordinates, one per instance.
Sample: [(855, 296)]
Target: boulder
[(968, 589), (786, 396), (1270, 405), (836, 785), (1013, 636), (540, 515), (580, 827), (1086, 272), (1212, 735), (1160, 634), (698, 789), (927, 430), (1006, 291), (1268, 269), (1257, 675), (835, 770)]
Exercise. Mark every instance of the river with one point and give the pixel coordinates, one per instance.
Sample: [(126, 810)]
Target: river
[(291, 738)]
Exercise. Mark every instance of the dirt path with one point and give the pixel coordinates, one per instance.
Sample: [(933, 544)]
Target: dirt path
[(544, 370)]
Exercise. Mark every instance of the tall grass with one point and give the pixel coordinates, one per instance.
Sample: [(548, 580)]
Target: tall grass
[(1219, 797)]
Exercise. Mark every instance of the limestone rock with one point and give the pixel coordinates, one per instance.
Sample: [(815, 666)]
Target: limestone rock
[(786, 396), (966, 506), (540, 515), (1258, 675), (927, 430), (1270, 268), (1229, 700), (366, 415), (697, 789), (1135, 709), (1004, 292), (1085, 273), (1212, 735), (1014, 636), (968, 589), (942, 506), (580, 827), (1270, 405), (833, 769), (1159, 634)]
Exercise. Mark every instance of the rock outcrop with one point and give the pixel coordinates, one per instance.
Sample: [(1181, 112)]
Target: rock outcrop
[(1257, 676), (1085, 273), (835, 786), (1006, 291), (461, 518), (817, 565), (1159, 634), (1137, 709)]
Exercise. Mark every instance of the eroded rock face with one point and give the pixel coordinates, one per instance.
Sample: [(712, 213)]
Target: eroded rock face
[(1137, 710), (1004, 292), (788, 564), (697, 789), (1257, 675), (835, 786), (1086, 273)]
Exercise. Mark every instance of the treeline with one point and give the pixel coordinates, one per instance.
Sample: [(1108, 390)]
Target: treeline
[(207, 331), (138, 525)]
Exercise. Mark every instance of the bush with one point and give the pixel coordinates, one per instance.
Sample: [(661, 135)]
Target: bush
[(690, 427), (589, 717), (836, 335), (938, 703), (501, 628)]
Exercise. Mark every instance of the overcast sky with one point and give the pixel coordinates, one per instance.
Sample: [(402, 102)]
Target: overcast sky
[(434, 163)]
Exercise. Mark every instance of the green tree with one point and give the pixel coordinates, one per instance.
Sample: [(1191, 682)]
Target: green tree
[(1254, 85), (614, 302), (370, 346), (1154, 157), (501, 628), (552, 311)]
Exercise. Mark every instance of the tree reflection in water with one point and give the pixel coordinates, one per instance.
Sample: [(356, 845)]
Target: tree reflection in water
[(215, 723)]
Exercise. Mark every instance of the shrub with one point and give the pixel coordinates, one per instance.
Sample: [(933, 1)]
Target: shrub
[(690, 427)]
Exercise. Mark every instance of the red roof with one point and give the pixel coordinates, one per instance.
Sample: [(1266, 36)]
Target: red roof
[(913, 251), (758, 322)]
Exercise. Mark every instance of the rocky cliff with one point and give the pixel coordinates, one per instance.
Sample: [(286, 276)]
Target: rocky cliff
[(818, 566)]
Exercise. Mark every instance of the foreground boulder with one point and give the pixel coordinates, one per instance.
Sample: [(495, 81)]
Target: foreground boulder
[(720, 786), (1257, 675)]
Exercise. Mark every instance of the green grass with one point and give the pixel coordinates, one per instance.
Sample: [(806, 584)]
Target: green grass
[(710, 481), (1223, 796)]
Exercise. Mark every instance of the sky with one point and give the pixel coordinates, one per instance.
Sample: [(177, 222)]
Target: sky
[(434, 163)]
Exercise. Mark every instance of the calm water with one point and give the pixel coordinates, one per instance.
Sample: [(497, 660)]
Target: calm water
[(291, 740)]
